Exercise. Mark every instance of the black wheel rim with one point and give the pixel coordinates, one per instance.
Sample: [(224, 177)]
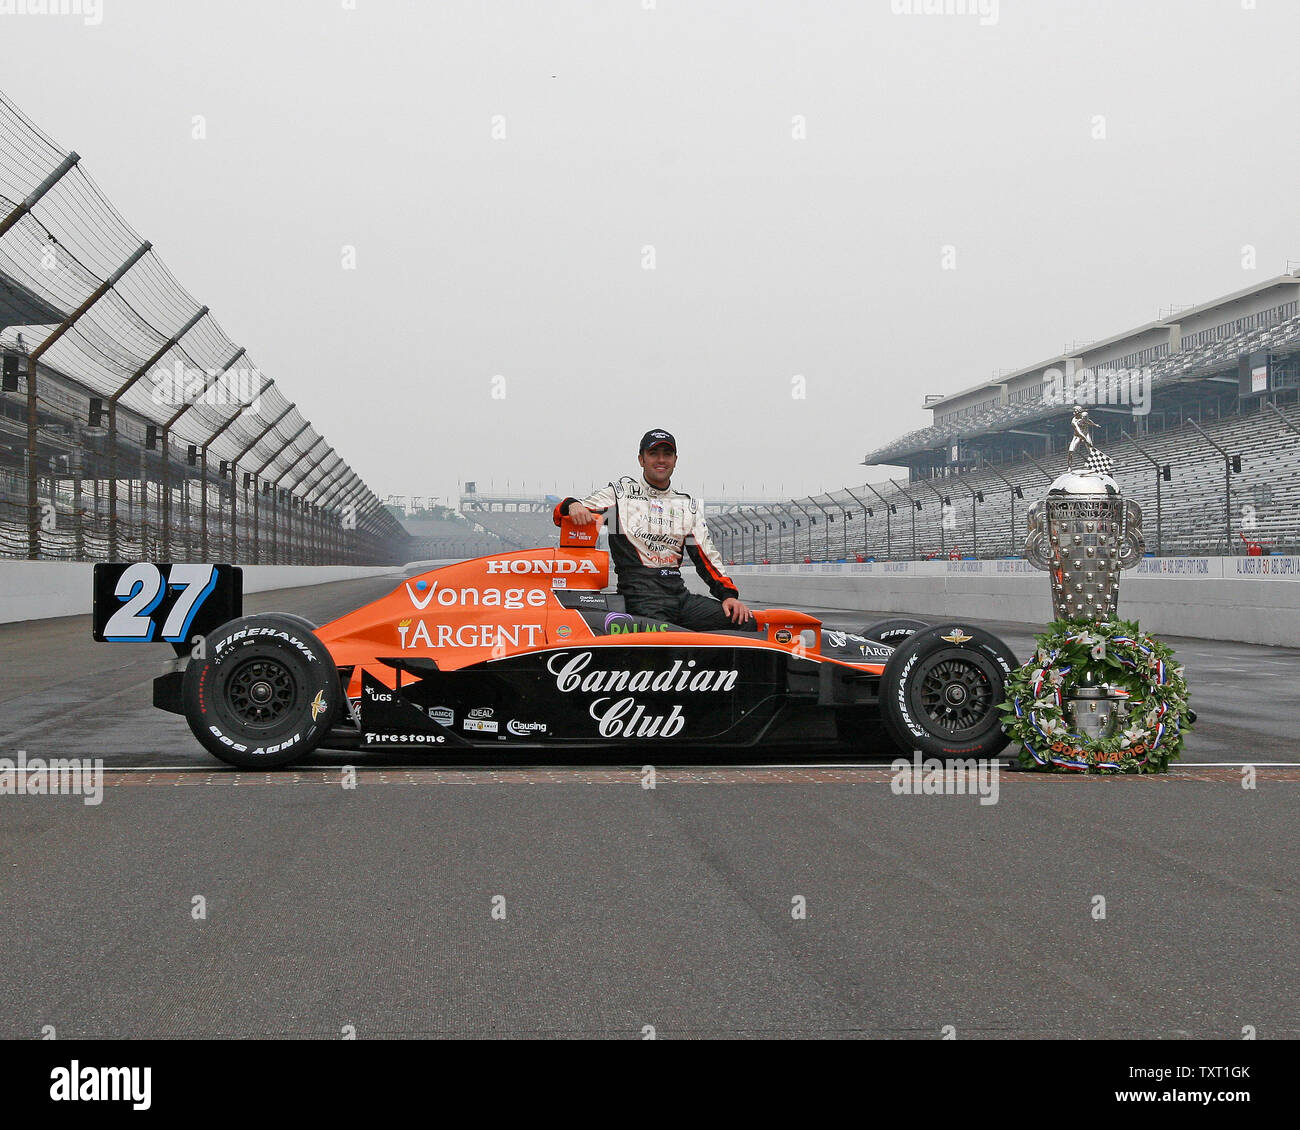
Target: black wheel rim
[(956, 692), (261, 692)]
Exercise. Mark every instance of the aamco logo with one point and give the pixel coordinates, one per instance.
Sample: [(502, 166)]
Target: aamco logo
[(541, 565), (443, 715)]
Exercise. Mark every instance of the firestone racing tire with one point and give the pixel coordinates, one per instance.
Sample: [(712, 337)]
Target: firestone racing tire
[(941, 690), (266, 694), (893, 632)]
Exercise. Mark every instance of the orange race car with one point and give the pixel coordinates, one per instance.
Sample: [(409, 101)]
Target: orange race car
[(526, 650)]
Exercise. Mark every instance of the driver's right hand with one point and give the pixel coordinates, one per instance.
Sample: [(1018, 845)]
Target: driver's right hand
[(580, 514)]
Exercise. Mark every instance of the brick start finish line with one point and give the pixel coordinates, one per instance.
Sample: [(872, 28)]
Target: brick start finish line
[(1224, 775)]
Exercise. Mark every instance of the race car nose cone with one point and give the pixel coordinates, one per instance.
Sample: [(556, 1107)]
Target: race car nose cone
[(955, 694), (260, 692)]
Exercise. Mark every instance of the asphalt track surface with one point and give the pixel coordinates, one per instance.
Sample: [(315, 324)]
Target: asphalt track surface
[(625, 906)]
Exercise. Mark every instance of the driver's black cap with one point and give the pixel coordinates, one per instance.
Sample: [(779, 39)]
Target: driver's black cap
[(657, 435)]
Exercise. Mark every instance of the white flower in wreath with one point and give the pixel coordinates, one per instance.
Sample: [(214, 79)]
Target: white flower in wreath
[(1055, 677), (1131, 735)]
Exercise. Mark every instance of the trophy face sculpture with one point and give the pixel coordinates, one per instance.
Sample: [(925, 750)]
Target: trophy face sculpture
[(1085, 532)]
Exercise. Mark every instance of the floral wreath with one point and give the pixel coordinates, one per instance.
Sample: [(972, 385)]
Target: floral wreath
[(1069, 654)]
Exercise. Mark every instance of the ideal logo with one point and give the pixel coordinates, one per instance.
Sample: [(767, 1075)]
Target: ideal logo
[(481, 712)]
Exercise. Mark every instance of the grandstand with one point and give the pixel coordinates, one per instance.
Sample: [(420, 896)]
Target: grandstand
[(1231, 367), (441, 533)]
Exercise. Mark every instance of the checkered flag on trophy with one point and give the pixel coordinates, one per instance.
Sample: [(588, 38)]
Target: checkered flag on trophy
[(1098, 463)]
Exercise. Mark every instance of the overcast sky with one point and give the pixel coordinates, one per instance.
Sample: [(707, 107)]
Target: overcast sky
[(797, 169)]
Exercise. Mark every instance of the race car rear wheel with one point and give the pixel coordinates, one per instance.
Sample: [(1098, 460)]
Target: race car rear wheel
[(893, 632), (265, 695), (941, 689)]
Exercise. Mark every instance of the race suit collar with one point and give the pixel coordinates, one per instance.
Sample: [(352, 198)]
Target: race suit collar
[(654, 490)]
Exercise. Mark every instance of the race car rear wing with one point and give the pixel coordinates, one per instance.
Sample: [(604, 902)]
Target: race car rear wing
[(571, 534), (160, 602)]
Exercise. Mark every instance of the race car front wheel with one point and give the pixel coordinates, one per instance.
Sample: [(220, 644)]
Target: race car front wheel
[(941, 689), (265, 695)]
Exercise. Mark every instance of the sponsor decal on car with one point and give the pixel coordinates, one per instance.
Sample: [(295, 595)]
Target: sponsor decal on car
[(542, 565), (875, 651), (620, 623), (625, 717), (468, 635), (524, 729), (443, 715), (317, 705), (957, 635), (403, 739), (559, 582), (482, 725), (783, 635), (470, 596), (563, 632), (481, 712), (376, 694)]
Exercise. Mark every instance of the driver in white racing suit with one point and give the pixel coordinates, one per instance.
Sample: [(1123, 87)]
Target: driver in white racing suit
[(650, 526)]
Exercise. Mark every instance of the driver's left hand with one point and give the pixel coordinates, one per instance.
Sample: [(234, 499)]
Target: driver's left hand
[(736, 611)]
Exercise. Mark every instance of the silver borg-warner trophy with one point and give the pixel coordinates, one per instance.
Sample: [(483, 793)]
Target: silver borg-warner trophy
[(1084, 533)]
